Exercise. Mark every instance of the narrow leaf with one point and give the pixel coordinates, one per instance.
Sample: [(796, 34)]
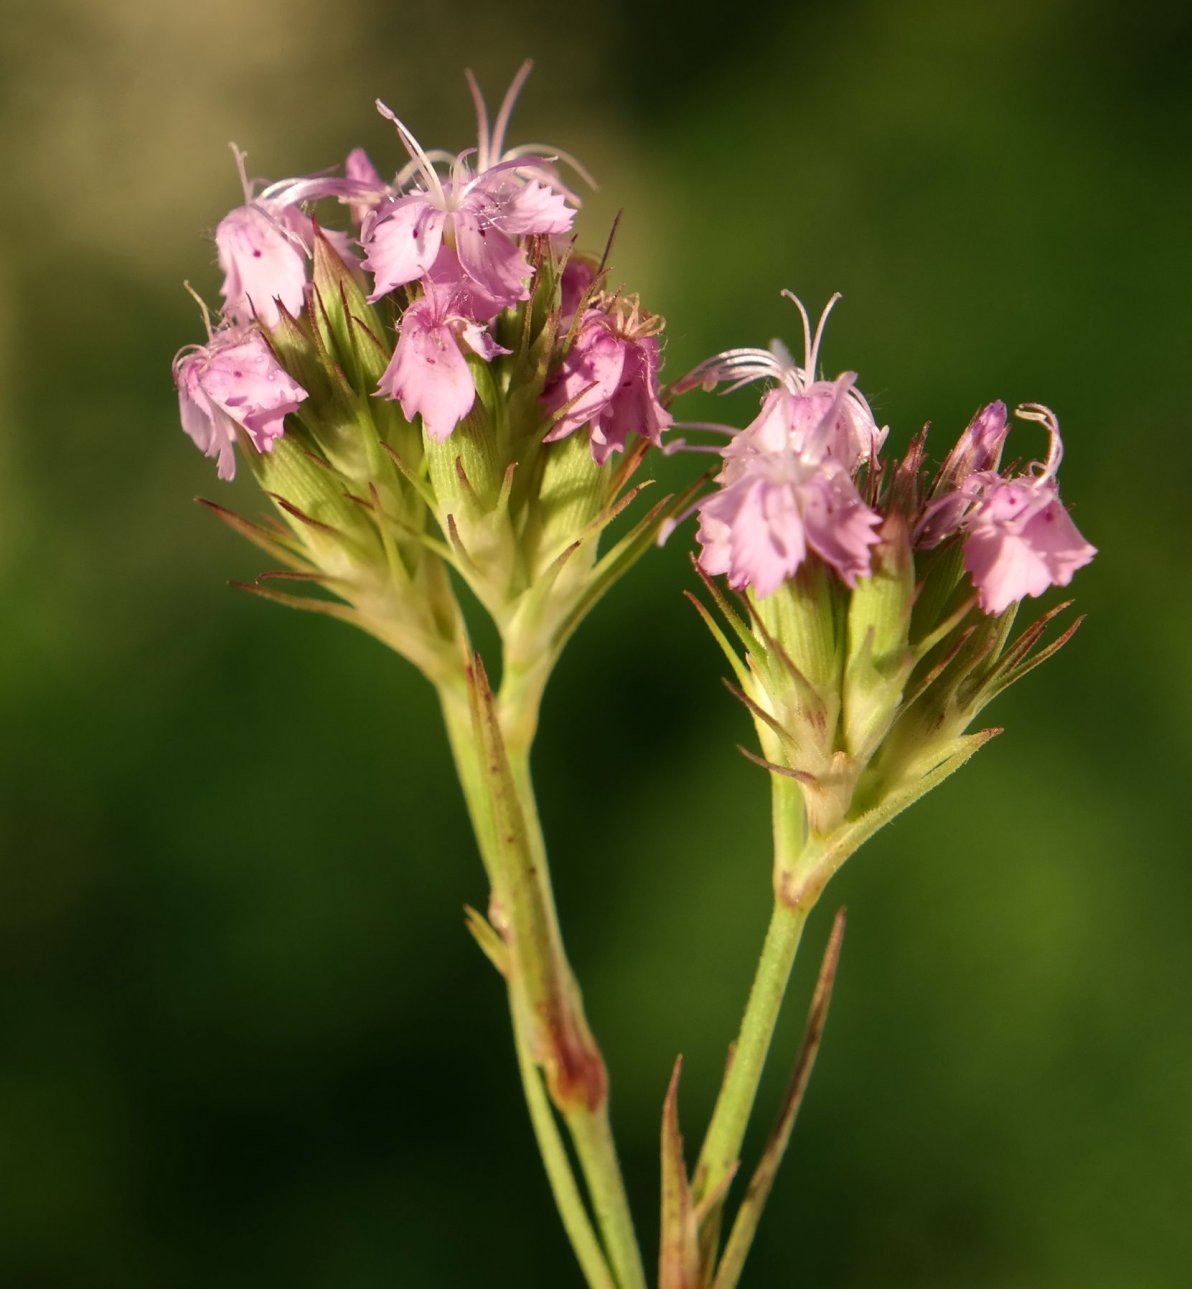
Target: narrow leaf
[(721, 639), (275, 544), (1004, 679), (490, 942), (307, 604), (678, 1256), (800, 776)]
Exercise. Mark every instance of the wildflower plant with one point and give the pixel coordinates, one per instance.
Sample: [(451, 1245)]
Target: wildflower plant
[(447, 403)]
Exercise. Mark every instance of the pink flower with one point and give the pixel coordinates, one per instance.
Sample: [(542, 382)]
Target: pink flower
[(977, 451), (360, 171), (786, 486), (234, 382), (1020, 538), (797, 409), (782, 492), (758, 528), (428, 373), (264, 247), (609, 379), (263, 258), (478, 216)]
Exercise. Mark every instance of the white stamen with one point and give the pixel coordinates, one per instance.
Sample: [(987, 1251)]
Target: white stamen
[(482, 135), (241, 157), (812, 345), (1047, 418), (501, 124), (198, 299), (414, 148)]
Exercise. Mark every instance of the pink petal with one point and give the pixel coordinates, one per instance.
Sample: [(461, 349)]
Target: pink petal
[(634, 407), (770, 539), (212, 432), (428, 374), (359, 169), (1021, 541), (401, 242), (594, 364), (840, 526), (752, 531), (490, 259), (454, 293), (246, 381), (533, 207), (234, 380), (261, 264)]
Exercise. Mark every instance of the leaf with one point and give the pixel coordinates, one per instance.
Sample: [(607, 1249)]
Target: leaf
[(678, 1253), (275, 543), (486, 936)]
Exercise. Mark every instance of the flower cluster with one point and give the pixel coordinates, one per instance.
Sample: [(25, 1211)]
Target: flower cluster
[(790, 485), (452, 246), (867, 650), (408, 391)]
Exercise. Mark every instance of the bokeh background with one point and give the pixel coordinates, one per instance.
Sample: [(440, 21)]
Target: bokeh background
[(245, 1038)]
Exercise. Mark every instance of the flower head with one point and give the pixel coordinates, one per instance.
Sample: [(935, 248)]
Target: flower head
[(817, 421)]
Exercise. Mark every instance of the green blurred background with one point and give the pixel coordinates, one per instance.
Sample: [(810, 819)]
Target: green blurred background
[(245, 1039)]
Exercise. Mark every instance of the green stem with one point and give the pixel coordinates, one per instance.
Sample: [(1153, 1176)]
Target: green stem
[(559, 1172), (588, 1123), (730, 1117), (721, 1150), (543, 992)]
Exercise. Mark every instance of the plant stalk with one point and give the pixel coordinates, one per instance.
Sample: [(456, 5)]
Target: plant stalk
[(550, 1028)]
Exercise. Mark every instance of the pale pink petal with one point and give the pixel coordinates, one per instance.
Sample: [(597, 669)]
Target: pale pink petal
[(212, 432), (753, 532), (245, 380), (263, 262), (476, 338), (401, 241), (428, 374), (831, 421), (360, 170), (769, 540), (590, 374), (453, 292), (490, 259), (234, 381), (771, 430), (633, 407), (840, 526), (1020, 542), (715, 537), (533, 207)]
